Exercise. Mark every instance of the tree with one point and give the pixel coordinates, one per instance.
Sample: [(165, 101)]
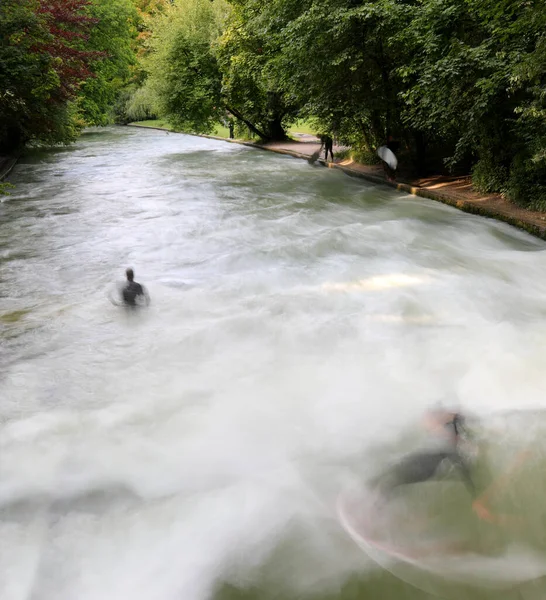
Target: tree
[(206, 59), (62, 64), (250, 90), (483, 60), (335, 61), (114, 36), (42, 64), (184, 79), (147, 11)]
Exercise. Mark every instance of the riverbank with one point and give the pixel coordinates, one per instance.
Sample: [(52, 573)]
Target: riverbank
[(6, 165), (454, 191)]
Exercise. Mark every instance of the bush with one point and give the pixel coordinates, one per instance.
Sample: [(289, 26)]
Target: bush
[(489, 176), (343, 154), (527, 183), (4, 187), (365, 156)]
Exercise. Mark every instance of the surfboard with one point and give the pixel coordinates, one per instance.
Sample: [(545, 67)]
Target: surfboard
[(388, 156), (364, 528), (443, 559)]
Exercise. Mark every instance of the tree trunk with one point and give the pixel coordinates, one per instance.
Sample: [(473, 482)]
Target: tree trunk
[(276, 130), (365, 138), (252, 128), (11, 140), (420, 153)]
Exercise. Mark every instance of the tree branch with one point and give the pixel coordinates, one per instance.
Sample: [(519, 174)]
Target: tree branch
[(239, 116)]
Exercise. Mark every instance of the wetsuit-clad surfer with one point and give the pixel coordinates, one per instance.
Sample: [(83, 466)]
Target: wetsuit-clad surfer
[(423, 465), (133, 290)]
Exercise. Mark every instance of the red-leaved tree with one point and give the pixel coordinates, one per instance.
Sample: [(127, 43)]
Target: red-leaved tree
[(67, 25)]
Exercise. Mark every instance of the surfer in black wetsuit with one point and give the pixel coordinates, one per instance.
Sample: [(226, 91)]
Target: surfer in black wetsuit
[(423, 465), (133, 290), (328, 144)]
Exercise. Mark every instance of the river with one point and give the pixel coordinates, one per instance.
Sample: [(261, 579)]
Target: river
[(301, 322)]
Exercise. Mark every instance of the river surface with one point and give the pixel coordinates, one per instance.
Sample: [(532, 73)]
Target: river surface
[(301, 323)]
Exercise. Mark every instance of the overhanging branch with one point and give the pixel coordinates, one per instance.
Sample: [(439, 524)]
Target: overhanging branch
[(239, 116)]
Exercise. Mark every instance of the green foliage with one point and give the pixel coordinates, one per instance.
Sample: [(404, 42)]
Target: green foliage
[(344, 154), (247, 52), (476, 81), (339, 61), (61, 66), (140, 105), (4, 187), (155, 123), (309, 126), (114, 35), (184, 81), (221, 131), (527, 182), (31, 107), (365, 156)]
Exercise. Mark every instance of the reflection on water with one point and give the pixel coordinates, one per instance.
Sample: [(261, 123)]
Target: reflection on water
[(301, 322)]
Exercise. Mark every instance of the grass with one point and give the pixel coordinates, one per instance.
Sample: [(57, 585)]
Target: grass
[(159, 123), (221, 131), (303, 126)]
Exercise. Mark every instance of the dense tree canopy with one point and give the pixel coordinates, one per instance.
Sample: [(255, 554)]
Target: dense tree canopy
[(246, 54), (42, 63), (476, 80), (460, 83), (184, 81), (113, 35), (61, 63), (339, 61)]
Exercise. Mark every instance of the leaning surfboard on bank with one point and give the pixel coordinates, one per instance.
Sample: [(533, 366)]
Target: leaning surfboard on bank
[(388, 156)]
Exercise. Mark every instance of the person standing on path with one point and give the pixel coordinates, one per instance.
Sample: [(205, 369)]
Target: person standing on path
[(328, 144)]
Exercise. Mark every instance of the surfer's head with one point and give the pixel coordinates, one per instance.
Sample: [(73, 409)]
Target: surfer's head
[(130, 274), (446, 420)]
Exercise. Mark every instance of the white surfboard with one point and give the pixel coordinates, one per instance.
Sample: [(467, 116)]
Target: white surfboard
[(388, 156), (447, 560)]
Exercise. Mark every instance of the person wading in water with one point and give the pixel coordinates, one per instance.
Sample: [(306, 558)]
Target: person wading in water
[(133, 290)]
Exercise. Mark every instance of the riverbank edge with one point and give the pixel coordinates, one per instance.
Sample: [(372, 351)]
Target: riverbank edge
[(460, 203), (6, 166)]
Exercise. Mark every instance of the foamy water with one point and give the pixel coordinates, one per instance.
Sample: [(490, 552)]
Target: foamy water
[(300, 322)]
